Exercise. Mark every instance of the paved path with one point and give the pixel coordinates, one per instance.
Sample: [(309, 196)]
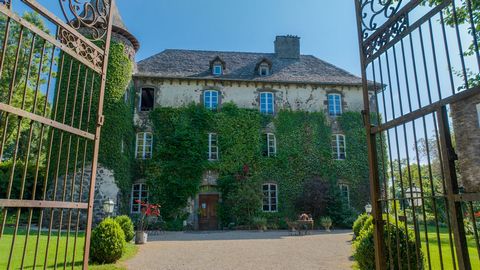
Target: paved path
[(240, 250)]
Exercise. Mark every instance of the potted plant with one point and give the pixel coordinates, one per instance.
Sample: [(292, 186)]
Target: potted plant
[(326, 222), (260, 223), (148, 211)]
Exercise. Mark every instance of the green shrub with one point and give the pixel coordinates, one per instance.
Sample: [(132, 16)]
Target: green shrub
[(127, 226), (108, 242), (364, 252), (260, 223), (358, 224)]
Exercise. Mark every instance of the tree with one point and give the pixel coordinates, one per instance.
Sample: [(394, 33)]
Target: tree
[(23, 81)]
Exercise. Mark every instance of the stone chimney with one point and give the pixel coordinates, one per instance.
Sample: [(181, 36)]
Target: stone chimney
[(287, 47)]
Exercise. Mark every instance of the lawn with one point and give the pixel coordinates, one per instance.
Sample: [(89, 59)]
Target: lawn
[(446, 251), (56, 243)]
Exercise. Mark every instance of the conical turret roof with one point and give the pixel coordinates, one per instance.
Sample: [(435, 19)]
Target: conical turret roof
[(118, 26)]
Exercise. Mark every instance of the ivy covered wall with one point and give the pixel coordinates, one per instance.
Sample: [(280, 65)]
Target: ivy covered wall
[(118, 114), (304, 153)]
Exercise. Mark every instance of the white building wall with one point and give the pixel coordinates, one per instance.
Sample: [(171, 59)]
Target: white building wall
[(303, 97)]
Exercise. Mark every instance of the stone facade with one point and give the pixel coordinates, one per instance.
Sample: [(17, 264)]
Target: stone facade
[(466, 125), (297, 97), (105, 189)]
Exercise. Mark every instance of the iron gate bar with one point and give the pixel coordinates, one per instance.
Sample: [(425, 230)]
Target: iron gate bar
[(372, 157), (412, 27), (15, 17), (49, 122), (42, 204), (433, 107), (452, 188), (86, 53)]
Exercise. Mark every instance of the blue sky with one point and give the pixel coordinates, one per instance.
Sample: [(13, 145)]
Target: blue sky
[(327, 28)]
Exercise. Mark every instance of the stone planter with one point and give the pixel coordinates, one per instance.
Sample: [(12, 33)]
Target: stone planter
[(140, 237)]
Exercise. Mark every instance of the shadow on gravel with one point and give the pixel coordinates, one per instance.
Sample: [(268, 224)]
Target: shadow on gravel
[(236, 235)]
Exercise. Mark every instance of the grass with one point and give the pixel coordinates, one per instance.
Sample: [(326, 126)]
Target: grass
[(64, 243), (446, 251)]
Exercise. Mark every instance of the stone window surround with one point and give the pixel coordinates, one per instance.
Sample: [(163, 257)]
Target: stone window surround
[(139, 96), (268, 90), (269, 198), (342, 102), (211, 88)]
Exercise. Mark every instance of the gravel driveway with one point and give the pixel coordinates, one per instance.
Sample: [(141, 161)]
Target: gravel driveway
[(244, 250)]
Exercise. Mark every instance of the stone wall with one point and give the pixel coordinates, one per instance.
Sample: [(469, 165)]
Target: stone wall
[(105, 188), (466, 125)]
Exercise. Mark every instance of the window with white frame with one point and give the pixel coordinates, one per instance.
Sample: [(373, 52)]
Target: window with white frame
[(271, 145), (264, 70), (210, 99), (217, 69), (144, 145), (139, 194), (266, 103), (147, 99), (334, 104), (345, 191), (338, 146), (270, 197), (212, 146), (122, 146)]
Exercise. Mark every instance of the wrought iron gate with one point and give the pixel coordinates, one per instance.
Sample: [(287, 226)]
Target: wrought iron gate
[(420, 67), (52, 81)]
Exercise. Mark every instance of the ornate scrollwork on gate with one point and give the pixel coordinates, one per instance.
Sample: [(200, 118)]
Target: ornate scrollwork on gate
[(80, 47), (377, 42), (89, 14), (376, 12)]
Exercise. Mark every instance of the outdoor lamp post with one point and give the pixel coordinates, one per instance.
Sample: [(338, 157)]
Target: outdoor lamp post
[(368, 208), (108, 207), (414, 196)]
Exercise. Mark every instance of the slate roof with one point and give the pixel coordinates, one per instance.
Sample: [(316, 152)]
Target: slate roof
[(241, 66)]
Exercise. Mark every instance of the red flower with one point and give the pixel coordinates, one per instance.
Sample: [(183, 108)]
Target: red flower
[(477, 214)]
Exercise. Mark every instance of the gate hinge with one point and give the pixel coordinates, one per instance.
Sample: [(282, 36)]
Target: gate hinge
[(101, 120)]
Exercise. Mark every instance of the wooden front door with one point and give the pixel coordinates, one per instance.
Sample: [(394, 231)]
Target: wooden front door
[(208, 212)]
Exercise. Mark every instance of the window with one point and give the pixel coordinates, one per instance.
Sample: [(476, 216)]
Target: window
[(271, 145), (143, 146), (478, 113), (147, 99), (217, 70), (270, 197), (210, 99), (345, 191), (122, 147), (334, 104), (139, 193), (212, 146), (264, 70), (338, 146), (266, 103)]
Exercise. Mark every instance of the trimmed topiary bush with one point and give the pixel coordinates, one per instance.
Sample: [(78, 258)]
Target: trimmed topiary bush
[(108, 242), (127, 226), (364, 252), (358, 224)]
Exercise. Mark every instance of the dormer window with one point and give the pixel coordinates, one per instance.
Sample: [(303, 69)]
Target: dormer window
[(217, 70), (264, 70), (264, 67), (217, 66)]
